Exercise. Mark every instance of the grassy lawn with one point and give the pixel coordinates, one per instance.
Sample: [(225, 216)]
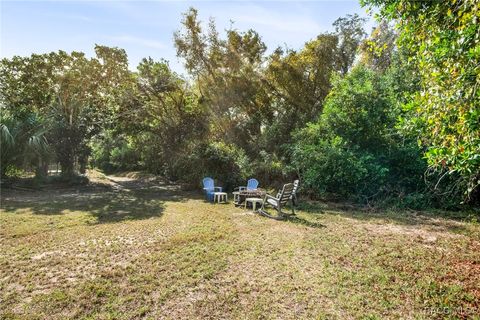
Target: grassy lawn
[(146, 250)]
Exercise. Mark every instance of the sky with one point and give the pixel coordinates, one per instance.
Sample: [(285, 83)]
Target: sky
[(145, 28)]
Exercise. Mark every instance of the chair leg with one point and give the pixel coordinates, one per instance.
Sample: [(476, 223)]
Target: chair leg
[(262, 208), (294, 204), (282, 214), (266, 214)]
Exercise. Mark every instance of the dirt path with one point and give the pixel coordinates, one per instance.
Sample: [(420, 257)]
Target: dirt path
[(139, 182), (99, 185)]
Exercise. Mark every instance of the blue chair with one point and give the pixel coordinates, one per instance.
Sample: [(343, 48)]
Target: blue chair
[(252, 184), (209, 188)]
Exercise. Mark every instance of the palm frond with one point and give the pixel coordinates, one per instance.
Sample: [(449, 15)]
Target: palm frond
[(6, 138), (38, 143)]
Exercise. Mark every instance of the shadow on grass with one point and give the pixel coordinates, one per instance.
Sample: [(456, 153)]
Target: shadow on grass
[(287, 216), (304, 222), (448, 220), (107, 205)]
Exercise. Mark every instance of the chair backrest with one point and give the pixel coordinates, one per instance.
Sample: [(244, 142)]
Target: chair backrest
[(252, 184), (208, 183), (296, 183), (286, 193)]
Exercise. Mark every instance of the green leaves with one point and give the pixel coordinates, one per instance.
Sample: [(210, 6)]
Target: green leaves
[(70, 95), (23, 141), (354, 150), (443, 40)]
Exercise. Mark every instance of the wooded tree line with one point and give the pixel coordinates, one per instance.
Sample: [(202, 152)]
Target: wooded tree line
[(391, 117)]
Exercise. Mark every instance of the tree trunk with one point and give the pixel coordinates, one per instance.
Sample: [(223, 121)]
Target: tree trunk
[(82, 161), (66, 155), (67, 165), (41, 172)]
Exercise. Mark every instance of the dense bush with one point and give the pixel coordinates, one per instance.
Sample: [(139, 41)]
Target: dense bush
[(226, 163), (442, 41), (112, 153), (270, 170), (23, 143), (331, 167), (354, 150)]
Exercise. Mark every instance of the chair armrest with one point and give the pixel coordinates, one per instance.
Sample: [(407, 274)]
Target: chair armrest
[(218, 188), (267, 196)]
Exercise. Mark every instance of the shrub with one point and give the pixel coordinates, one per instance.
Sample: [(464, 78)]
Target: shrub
[(354, 150), (331, 168), (112, 153), (270, 170), (226, 163)]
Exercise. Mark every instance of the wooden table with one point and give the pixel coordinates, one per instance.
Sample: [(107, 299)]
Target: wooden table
[(239, 198)]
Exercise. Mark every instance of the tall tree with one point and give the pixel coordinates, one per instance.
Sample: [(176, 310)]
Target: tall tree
[(378, 50), (443, 41), (298, 83), (351, 33), (161, 114), (72, 95), (228, 74)]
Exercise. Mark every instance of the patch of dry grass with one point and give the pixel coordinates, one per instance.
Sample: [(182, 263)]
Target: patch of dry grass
[(158, 252)]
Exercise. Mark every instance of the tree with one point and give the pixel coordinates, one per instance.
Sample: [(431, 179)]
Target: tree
[(354, 150), (161, 114), (71, 94), (25, 91), (228, 75), (443, 42), (379, 49), (23, 142), (350, 32), (299, 83)]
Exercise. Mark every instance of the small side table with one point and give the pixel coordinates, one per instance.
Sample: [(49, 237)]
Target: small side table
[(220, 197), (254, 202)]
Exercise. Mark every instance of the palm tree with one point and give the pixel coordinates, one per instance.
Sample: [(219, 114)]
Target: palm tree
[(23, 142)]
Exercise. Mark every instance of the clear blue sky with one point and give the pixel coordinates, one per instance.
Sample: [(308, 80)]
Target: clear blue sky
[(145, 28)]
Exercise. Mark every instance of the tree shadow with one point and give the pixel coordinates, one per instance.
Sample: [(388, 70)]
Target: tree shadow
[(435, 219), (304, 222), (288, 216), (106, 204)]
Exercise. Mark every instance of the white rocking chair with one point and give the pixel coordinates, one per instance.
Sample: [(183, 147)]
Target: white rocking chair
[(278, 202)]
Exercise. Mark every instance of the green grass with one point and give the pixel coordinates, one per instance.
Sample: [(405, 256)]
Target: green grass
[(150, 253)]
